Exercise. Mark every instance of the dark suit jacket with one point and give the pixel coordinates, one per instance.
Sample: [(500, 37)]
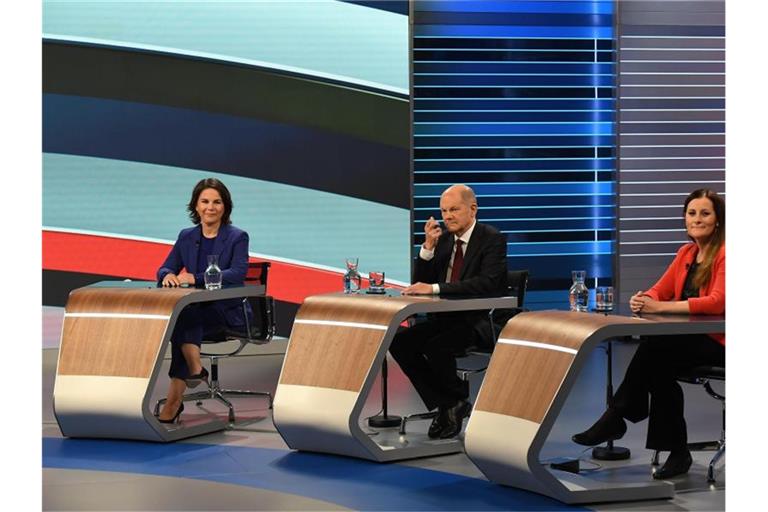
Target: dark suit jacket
[(484, 273), (232, 247)]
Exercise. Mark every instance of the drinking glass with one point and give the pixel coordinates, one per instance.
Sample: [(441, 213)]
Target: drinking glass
[(212, 275), (604, 298), (352, 279), (376, 282)]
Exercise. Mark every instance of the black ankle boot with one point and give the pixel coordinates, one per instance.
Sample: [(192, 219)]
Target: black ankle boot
[(678, 463), (609, 427)]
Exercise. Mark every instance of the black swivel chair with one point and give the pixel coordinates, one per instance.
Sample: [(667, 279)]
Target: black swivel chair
[(259, 330), (517, 284), (702, 375)]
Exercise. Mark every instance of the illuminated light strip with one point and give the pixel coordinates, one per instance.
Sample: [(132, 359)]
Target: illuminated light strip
[(718, 169), (640, 97), (663, 183), (670, 73), (654, 206), (676, 49), (671, 37), (335, 323), (530, 62), (543, 110), (676, 242), (660, 110), (538, 87), (648, 218), (543, 207), (501, 171), (509, 122), (522, 74), (672, 157), (521, 50), (533, 344), (692, 121), (650, 134), (674, 145), (137, 316), (561, 98), (508, 159), (681, 230), (650, 194), (678, 61), (663, 85), (648, 254)]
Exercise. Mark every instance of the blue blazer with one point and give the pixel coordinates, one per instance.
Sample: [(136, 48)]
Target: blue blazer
[(232, 247)]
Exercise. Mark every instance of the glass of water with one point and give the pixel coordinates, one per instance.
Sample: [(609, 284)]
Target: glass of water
[(604, 298), (212, 275), (352, 279)]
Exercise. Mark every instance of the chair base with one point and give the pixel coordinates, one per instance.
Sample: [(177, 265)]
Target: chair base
[(216, 393), (418, 416)]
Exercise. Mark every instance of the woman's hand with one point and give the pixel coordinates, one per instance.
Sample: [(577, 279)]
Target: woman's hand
[(171, 280), (643, 303), (638, 301), (187, 278)]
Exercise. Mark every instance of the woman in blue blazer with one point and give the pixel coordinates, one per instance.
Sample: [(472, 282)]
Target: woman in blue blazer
[(209, 208)]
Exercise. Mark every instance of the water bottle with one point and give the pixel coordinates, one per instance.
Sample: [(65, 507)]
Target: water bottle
[(212, 275), (352, 279), (579, 294)]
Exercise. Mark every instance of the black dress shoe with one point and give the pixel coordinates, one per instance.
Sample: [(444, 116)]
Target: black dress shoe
[(678, 463), (194, 380), (454, 416), (609, 427), (438, 424), (175, 418)]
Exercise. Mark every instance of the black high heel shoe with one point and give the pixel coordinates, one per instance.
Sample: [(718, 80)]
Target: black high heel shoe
[(175, 418), (609, 427), (678, 463), (194, 380)]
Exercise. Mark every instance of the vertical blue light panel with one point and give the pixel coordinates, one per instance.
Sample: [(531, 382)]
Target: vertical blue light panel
[(517, 100)]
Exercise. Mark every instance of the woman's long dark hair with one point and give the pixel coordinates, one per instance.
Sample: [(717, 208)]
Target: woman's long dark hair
[(704, 270), (219, 187)]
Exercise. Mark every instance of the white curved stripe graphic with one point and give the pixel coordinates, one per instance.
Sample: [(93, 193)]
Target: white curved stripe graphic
[(334, 323), (534, 344), (138, 316)]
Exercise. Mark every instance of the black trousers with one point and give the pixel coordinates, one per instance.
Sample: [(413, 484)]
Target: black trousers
[(196, 323), (651, 375), (425, 353)]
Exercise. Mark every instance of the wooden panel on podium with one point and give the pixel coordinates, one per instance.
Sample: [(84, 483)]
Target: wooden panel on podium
[(113, 340), (129, 325)]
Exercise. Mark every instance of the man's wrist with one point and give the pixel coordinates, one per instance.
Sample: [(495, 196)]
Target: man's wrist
[(426, 254)]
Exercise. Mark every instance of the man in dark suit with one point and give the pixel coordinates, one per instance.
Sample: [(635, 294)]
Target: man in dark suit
[(467, 258)]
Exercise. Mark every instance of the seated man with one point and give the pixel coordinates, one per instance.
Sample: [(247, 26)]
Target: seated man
[(468, 258)]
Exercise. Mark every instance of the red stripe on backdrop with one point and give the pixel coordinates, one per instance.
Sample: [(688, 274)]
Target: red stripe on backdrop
[(138, 259)]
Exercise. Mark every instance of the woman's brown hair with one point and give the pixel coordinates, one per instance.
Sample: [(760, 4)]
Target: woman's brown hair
[(704, 270), (219, 187)]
